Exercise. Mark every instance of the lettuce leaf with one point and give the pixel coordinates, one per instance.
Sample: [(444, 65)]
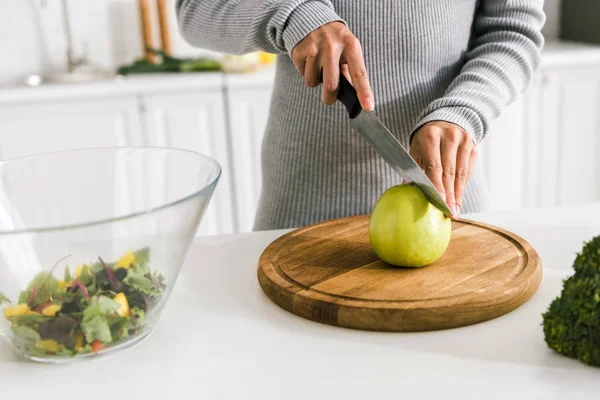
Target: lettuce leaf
[(61, 329), (67, 276), (100, 306), (23, 297), (86, 277), (136, 299), (139, 314), (30, 320), (92, 290), (25, 338), (96, 328), (141, 283), (65, 352), (25, 333), (95, 322), (117, 325), (139, 277), (142, 259), (97, 267), (44, 284)]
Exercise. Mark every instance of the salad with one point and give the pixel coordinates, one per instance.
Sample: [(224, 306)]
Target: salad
[(99, 305)]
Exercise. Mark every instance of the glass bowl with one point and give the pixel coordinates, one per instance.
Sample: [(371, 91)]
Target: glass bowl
[(91, 244)]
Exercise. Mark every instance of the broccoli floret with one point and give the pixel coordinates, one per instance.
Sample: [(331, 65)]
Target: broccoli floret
[(572, 321)]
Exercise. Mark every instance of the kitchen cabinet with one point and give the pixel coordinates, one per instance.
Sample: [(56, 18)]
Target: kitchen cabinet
[(248, 111), (576, 114), (27, 129), (195, 121), (542, 151), (501, 156)]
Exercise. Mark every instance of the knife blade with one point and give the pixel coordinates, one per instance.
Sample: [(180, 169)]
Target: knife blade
[(387, 146)]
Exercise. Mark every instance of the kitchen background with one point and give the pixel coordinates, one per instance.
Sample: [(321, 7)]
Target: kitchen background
[(545, 145)]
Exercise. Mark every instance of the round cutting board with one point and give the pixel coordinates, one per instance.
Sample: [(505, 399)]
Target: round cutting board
[(328, 273)]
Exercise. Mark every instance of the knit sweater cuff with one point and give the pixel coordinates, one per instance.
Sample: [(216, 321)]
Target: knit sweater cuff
[(464, 117), (306, 18)]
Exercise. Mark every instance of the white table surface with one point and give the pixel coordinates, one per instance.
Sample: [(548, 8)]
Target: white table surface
[(221, 338)]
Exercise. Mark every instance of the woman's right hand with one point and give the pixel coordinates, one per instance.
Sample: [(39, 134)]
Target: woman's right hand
[(333, 48)]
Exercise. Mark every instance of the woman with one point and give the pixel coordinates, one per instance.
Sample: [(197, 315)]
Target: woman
[(435, 72)]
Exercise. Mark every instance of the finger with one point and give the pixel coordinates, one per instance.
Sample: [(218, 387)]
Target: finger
[(331, 74), (432, 162), (299, 63), (312, 73), (449, 148), (344, 70), (465, 160), (358, 71), (299, 59)]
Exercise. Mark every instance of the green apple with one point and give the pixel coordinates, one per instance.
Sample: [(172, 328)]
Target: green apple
[(405, 230)]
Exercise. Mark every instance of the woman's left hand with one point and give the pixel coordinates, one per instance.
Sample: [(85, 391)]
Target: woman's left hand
[(447, 154)]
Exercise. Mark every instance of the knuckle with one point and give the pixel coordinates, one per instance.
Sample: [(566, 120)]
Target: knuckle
[(462, 175), (449, 171), (429, 133), (312, 51), (329, 45), (432, 166), (330, 86), (455, 135), (353, 44), (297, 55), (360, 73), (466, 139)]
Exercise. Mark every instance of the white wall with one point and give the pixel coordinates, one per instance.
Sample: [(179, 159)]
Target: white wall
[(32, 40), (32, 36)]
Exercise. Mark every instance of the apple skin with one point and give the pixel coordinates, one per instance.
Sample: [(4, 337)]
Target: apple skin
[(405, 230)]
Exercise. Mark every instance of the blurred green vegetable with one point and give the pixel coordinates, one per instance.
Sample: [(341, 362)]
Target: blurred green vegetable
[(572, 321), (170, 64)]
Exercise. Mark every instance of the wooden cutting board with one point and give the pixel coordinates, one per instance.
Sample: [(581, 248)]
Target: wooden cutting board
[(328, 273)]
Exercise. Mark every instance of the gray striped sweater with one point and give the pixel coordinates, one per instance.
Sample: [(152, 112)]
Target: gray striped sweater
[(460, 61)]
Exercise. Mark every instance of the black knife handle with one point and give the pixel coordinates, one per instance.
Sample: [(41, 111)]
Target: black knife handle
[(347, 96)]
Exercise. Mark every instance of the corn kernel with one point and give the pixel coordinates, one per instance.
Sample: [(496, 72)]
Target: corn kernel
[(126, 260), (79, 342), (49, 345), (123, 311), (51, 310), (15, 311)]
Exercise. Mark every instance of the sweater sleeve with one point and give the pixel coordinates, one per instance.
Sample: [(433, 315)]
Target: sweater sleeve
[(243, 26), (500, 64)]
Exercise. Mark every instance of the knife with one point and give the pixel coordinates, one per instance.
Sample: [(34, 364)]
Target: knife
[(386, 145)]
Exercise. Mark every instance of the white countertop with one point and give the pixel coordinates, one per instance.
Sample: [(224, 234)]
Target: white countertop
[(221, 338), (556, 54), (136, 84), (562, 53)]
